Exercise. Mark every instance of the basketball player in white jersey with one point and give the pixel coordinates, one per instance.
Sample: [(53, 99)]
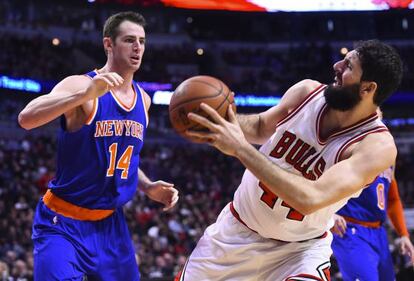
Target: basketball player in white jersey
[(320, 146)]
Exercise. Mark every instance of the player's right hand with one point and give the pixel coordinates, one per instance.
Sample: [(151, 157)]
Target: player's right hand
[(340, 225), (102, 83)]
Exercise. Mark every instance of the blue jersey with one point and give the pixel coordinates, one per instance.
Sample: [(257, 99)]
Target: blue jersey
[(97, 165), (371, 205)]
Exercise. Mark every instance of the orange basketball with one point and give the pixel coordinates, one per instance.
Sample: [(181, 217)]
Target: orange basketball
[(190, 94)]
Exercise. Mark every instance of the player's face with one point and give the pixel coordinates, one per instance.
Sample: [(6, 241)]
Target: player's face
[(344, 93), (129, 46)]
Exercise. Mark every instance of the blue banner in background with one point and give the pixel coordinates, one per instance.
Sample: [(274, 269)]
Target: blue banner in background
[(161, 92), (21, 84)]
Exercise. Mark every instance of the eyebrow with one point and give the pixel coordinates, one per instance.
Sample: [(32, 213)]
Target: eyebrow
[(132, 36), (349, 60)]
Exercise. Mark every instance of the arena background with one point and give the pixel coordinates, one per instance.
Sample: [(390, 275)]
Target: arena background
[(258, 54)]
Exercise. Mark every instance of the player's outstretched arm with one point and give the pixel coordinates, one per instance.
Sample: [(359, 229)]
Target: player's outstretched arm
[(257, 128), (67, 95), (159, 191)]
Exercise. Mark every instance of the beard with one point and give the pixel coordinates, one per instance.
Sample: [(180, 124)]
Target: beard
[(342, 98)]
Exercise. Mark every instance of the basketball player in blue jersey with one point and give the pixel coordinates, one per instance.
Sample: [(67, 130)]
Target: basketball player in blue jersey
[(79, 229), (360, 242)]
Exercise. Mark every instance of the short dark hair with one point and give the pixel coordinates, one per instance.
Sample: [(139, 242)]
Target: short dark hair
[(382, 64), (113, 22)]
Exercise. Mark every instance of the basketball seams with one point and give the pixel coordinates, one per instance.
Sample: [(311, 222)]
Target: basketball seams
[(198, 125), (200, 98), (217, 108), (227, 97), (198, 89)]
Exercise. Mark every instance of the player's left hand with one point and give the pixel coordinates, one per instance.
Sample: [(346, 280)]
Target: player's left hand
[(226, 136), (340, 226), (406, 247), (164, 193)]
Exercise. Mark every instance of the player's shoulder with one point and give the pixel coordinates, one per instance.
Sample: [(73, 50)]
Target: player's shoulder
[(297, 93), (381, 140), (308, 84), (304, 87), (379, 143)]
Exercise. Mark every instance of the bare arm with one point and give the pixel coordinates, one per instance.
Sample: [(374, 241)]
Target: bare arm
[(159, 191), (65, 97), (143, 181), (340, 181), (257, 128), (306, 196)]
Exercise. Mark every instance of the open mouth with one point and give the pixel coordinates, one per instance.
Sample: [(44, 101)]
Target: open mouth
[(135, 58), (338, 81)]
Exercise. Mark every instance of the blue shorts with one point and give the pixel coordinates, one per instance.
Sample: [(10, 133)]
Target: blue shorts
[(363, 254), (68, 249)]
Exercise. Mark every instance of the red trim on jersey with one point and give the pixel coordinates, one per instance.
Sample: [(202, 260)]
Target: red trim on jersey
[(342, 131), (307, 99), (324, 271), (237, 216), (303, 277), (180, 275), (358, 138)]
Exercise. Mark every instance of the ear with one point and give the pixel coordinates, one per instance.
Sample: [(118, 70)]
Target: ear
[(368, 88), (107, 43)]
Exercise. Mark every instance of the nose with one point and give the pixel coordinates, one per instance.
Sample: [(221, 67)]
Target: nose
[(137, 45), (338, 66)]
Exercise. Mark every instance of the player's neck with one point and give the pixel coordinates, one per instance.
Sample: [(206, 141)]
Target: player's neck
[(336, 120), (128, 75)]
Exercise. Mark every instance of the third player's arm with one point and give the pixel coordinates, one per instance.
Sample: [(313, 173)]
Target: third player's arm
[(338, 182), (395, 209)]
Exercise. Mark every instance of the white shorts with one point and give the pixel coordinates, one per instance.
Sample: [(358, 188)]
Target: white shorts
[(229, 251)]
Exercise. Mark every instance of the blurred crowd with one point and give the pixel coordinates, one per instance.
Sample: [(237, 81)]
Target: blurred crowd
[(260, 70), (185, 43)]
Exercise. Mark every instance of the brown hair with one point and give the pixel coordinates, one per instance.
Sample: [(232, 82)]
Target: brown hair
[(111, 25)]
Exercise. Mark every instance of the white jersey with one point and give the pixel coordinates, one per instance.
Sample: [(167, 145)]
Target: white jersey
[(297, 147)]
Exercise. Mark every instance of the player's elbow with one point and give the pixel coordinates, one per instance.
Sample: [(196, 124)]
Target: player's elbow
[(309, 203), (25, 121), (307, 208), (305, 205)]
